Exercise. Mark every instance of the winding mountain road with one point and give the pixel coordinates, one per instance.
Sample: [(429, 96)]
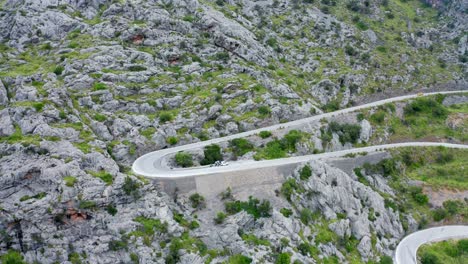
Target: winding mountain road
[(406, 251), (155, 165)]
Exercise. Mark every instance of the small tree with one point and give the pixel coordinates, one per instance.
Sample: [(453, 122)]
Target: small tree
[(212, 153), (130, 187), (305, 173), (184, 159)]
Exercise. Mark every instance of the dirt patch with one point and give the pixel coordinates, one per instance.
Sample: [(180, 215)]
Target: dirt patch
[(438, 196)]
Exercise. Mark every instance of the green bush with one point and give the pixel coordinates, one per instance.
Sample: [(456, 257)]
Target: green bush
[(453, 207), (286, 212), (172, 140), (439, 214), (165, 117), (238, 259), (131, 186), (59, 70), (290, 140), (424, 106), (429, 258), (283, 258), (100, 117), (104, 176), (197, 201), (288, 188), (240, 146), (212, 154), (253, 207), (346, 132), (12, 257), (69, 181), (306, 216), (386, 260), (219, 219), (116, 245), (184, 159), (264, 110), (137, 68), (111, 209), (38, 106), (264, 134), (99, 86), (305, 173)]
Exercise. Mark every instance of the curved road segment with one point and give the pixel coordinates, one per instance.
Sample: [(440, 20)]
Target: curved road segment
[(154, 164), (406, 251)]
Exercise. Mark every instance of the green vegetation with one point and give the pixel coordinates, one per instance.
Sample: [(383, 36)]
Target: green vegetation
[(165, 117), (265, 134), (239, 259), (276, 149), (283, 258), (197, 201), (286, 212), (346, 132), (446, 252), (212, 154), (84, 204), (111, 209), (12, 257), (131, 186), (70, 181), (240, 146), (184, 159), (186, 242), (253, 207), (103, 175), (305, 173), (251, 239), (422, 117), (219, 219), (37, 196)]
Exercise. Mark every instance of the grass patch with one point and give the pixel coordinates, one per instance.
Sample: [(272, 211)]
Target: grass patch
[(103, 175)]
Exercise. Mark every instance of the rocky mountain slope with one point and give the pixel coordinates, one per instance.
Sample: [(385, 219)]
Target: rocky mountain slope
[(88, 86)]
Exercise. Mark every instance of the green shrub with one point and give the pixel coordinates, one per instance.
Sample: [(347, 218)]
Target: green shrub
[(104, 176), (439, 214), (172, 140), (165, 117), (37, 196), (425, 106), (306, 216), (290, 140), (134, 258), (99, 86), (286, 212), (264, 110), (346, 132), (283, 258), (305, 173), (264, 134), (116, 245), (184, 159), (38, 106), (238, 259), (253, 240), (149, 225), (70, 181), (59, 70), (100, 117), (111, 209), (212, 153), (219, 219), (453, 207), (386, 260), (136, 68), (288, 188), (429, 258), (253, 207), (240, 146), (197, 201), (131, 186), (87, 204), (13, 257)]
